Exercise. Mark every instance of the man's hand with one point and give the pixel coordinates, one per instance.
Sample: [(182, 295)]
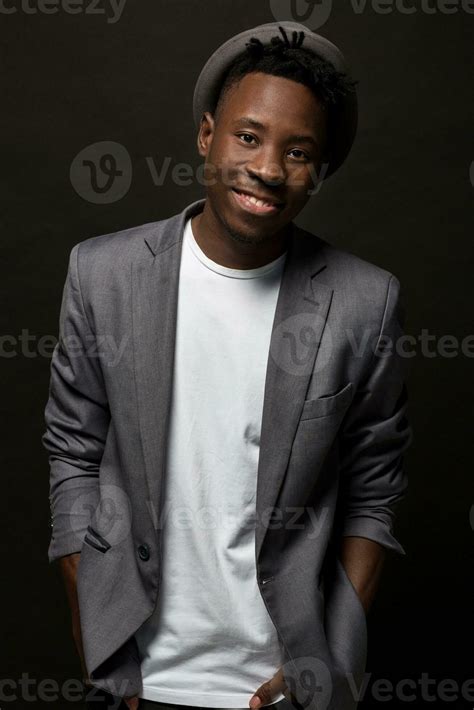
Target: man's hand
[(363, 560), (269, 691), (132, 703)]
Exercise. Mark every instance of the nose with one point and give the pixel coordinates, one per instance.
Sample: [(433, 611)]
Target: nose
[(266, 165)]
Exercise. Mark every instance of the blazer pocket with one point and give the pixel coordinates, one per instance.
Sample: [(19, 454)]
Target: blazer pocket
[(95, 540), (327, 404)]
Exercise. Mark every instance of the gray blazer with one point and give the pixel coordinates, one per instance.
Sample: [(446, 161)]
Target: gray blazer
[(334, 429)]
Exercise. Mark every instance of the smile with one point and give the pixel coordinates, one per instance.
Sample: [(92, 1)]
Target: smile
[(253, 204)]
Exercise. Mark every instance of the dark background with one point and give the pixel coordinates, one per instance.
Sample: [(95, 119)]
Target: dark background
[(402, 200)]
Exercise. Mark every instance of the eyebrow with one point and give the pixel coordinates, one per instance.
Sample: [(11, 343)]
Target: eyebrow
[(249, 121)]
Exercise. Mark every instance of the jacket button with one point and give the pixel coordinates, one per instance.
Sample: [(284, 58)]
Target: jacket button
[(144, 552)]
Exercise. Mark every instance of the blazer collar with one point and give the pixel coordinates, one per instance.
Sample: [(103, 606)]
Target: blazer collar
[(306, 249), (170, 231)]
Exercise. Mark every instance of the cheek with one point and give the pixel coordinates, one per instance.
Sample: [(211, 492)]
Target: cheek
[(228, 152), (301, 180), (300, 176), (224, 166)]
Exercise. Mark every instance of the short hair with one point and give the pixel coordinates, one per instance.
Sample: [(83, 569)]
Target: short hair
[(292, 61)]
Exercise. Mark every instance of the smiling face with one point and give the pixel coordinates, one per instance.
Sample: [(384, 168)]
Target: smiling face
[(263, 152)]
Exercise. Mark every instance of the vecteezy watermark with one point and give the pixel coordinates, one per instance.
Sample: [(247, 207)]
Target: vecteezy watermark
[(101, 173), (298, 339), (312, 13), (110, 9), (315, 13), (307, 678), (292, 346), (101, 345), (111, 513), (48, 690), (313, 679), (309, 681), (183, 174), (216, 517), (295, 341), (408, 690)]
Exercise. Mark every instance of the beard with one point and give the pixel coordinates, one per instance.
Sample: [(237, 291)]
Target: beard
[(245, 237)]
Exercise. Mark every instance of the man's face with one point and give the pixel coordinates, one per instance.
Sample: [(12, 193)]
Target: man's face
[(267, 144)]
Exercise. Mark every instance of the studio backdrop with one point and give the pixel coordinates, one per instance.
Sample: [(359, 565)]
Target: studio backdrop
[(98, 135)]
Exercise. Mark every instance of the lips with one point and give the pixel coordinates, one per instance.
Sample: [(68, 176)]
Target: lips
[(256, 204)]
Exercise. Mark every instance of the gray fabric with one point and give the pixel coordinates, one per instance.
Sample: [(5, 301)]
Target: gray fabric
[(333, 433), (343, 122)]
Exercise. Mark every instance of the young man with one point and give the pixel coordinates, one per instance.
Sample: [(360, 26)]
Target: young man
[(259, 391)]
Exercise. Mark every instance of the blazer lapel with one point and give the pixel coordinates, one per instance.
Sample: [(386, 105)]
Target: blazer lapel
[(300, 317), (154, 304)]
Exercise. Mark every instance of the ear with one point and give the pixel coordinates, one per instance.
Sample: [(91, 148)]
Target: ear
[(206, 133)]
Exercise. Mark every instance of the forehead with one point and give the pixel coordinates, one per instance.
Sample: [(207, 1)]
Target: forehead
[(274, 100)]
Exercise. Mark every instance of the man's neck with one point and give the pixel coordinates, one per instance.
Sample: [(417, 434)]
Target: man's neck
[(218, 245)]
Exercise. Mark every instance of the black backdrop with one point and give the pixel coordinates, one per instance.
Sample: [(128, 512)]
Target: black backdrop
[(402, 200)]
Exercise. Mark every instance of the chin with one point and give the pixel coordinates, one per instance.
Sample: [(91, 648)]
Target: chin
[(250, 230), (245, 233)]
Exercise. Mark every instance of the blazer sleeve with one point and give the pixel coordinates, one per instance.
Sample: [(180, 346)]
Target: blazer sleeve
[(375, 435), (77, 419)]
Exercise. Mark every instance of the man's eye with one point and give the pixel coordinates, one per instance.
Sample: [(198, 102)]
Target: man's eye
[(246, 137), (300, 154)]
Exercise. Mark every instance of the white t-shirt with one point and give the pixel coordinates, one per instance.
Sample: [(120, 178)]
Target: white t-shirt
[(210, 641)]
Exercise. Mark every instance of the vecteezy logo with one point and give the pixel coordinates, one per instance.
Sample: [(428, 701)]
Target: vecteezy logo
[(312, 13), (309, 681), (101, 173), (295, 342), (109, 510)]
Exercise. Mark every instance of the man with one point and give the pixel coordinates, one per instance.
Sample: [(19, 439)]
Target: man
[(258, 389)]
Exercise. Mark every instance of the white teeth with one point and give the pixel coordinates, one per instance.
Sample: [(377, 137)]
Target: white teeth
[(254, 201)]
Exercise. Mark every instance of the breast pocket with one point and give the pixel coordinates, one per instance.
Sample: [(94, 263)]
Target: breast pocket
[(327, 404)]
